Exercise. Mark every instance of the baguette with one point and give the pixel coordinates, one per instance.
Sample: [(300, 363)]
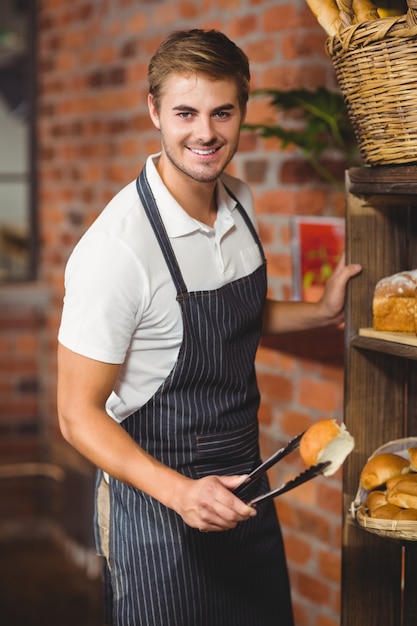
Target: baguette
[(327, 15), (364, 11)]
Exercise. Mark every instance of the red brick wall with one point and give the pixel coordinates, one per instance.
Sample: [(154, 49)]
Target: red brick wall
[(94, 135)]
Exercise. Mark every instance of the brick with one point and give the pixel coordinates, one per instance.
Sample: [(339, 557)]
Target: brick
[(301, 614), (279, 265), (136, 23), (262, 54), (297, 170), (330, 566), (242, 26), (298, 550), (325, 620), (276, 387), (320, 395), (290, 77), (265, 414), (282, 202), (294, 422), (267, 232), (281, 17), (330, 498), (310, 46), (255, 170), (313, 523), (312, 202), (274, 359), (312, 589)]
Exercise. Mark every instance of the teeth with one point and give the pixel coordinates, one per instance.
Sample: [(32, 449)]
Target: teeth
[(204, 152)]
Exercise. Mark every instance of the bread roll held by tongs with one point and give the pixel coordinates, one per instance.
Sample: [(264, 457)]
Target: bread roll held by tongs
[(323, 447)]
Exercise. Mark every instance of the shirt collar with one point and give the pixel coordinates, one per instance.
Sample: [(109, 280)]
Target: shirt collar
[(177, 222)]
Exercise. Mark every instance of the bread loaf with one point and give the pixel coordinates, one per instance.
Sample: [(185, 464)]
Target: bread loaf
[(324, 441), (394, 302), (403, 494), (380, 468)]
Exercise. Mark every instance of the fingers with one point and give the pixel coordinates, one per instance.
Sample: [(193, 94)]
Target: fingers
[(209, 504), (349, 270)]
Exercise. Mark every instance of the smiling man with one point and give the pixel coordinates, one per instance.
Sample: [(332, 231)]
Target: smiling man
[(164, 306)]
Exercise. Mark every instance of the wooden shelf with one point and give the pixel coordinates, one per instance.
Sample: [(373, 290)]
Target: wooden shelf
[(388, 180), (380, 399), (398, 344)]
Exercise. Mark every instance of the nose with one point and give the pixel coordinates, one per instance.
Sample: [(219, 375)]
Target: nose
[(205, 130)]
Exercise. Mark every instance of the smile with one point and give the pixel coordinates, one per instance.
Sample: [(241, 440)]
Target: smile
[(204, 152)]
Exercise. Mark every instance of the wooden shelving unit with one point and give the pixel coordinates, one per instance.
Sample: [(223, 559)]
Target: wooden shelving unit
[(379, 575)]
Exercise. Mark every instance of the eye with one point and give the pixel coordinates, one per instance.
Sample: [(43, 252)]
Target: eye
[(222, 114), (185, 115)]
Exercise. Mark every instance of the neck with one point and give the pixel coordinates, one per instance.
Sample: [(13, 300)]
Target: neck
[(196, 198)]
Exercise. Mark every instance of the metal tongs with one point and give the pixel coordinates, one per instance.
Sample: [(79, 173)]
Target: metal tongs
[(303, 477)]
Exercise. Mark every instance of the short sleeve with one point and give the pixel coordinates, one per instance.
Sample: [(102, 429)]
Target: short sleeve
[(104, 298)]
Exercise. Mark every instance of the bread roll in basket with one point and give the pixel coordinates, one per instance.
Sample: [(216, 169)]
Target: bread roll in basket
[(404, 528)]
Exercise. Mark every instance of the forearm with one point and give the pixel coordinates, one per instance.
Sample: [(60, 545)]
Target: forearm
[(83, 388), (207, 503), (283, 317)]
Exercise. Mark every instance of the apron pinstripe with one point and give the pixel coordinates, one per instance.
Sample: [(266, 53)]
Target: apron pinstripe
[(202, 420)]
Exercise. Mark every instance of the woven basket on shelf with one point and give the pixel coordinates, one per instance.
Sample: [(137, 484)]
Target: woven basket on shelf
[(376, 67), (392, 529), (400, 530)]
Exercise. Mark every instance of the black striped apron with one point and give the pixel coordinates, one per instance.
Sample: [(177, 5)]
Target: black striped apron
[(202, 420)]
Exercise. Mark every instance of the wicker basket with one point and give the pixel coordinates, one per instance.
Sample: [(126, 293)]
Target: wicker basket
[(376, 67), (400, 530)]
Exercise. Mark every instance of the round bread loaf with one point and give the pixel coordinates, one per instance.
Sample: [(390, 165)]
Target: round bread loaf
[(326, 440), (375, 499), (378, 469), (386, 511), (412, 452), (406, 514), (403, 494)]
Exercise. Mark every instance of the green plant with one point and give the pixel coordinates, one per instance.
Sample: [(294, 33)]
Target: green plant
[(325, 124)]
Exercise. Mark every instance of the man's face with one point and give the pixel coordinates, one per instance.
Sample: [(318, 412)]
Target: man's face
[(199, 120)]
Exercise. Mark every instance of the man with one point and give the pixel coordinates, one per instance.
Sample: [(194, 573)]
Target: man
[(164, 304)]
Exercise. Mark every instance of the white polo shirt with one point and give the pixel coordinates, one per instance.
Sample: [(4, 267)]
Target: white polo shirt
[(120, 301)]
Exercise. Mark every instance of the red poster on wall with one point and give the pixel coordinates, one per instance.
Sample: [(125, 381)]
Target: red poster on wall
[(317, 245)]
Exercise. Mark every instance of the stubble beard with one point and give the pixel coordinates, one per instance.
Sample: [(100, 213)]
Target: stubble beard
[(206, 173)]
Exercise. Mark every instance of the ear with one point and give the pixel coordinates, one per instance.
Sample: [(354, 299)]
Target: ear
[(153, 112)]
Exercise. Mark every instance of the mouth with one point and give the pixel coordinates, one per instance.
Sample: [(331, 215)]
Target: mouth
[(204, 153)]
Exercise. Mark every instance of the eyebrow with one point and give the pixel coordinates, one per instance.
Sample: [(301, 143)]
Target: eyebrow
[(186, 107)]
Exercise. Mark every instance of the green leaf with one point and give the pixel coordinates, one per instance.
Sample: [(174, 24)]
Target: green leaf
[(325, 124)]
